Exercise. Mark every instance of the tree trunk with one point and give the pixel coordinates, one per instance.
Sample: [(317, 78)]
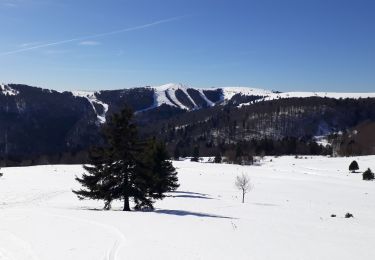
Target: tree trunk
[(107, 205), (243, 197), (126, 204)]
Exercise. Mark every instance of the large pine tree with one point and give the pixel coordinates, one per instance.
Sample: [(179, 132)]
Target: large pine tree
[(127, 168)]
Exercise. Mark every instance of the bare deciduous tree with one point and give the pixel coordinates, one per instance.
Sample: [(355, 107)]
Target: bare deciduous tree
[(243, 184)]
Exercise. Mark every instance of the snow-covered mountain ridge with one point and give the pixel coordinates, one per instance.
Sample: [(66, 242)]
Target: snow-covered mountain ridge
[(191, 98), (179, 96), (35, 122)]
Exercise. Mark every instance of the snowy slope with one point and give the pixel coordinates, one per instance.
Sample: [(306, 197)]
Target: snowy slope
[(321, 94), (166, 94), (286, 215), (229, 92), (182, 96), (7, 90), (91, 97), (336, 95)]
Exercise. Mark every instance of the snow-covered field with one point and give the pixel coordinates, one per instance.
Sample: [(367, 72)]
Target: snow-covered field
[(285, 216)]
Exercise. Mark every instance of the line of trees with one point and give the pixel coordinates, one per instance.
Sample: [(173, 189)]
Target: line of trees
[(242, 152), (127, 167)]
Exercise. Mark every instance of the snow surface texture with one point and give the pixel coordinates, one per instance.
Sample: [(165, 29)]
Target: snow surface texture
[(285, 216), (90, 96), (8, 91)]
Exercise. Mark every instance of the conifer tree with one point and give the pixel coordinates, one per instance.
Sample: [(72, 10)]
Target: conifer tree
[(113, 173), (218, 158), (353, 166), (164, 173), (195, 157), (127, 168), (156, 174), (368, 175), (99, 181)]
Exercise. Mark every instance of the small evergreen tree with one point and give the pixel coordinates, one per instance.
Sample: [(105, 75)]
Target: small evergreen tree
[(218, 158), (239, 151), (195, 157), (165, 175), (155, 174), (353, 166), (368, 175)]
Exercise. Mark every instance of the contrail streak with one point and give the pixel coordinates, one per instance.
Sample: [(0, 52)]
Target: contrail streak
[(93, 36)]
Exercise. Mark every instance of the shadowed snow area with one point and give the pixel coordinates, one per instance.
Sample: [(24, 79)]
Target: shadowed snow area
[(287, 215)]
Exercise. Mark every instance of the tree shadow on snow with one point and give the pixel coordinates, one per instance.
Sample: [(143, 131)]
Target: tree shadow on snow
[(189, 194), (192, 197), (183, 213), (265, 204)]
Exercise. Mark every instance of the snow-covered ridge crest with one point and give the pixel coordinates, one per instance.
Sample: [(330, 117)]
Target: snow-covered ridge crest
[(229, 92), (188, 98), (166, 94), (321, 94), (8, 91), (91, 97), (336, 95)]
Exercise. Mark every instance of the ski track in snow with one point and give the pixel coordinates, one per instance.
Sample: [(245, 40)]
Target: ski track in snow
[(17, 248), (22, 250), (112, 252), (31, 199), (21, 246)]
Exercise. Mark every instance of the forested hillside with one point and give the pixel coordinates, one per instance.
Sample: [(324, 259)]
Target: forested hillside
[(39, 126), (289, 123)]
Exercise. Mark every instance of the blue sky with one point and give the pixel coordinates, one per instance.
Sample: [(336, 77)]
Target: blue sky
[(307, 45)]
